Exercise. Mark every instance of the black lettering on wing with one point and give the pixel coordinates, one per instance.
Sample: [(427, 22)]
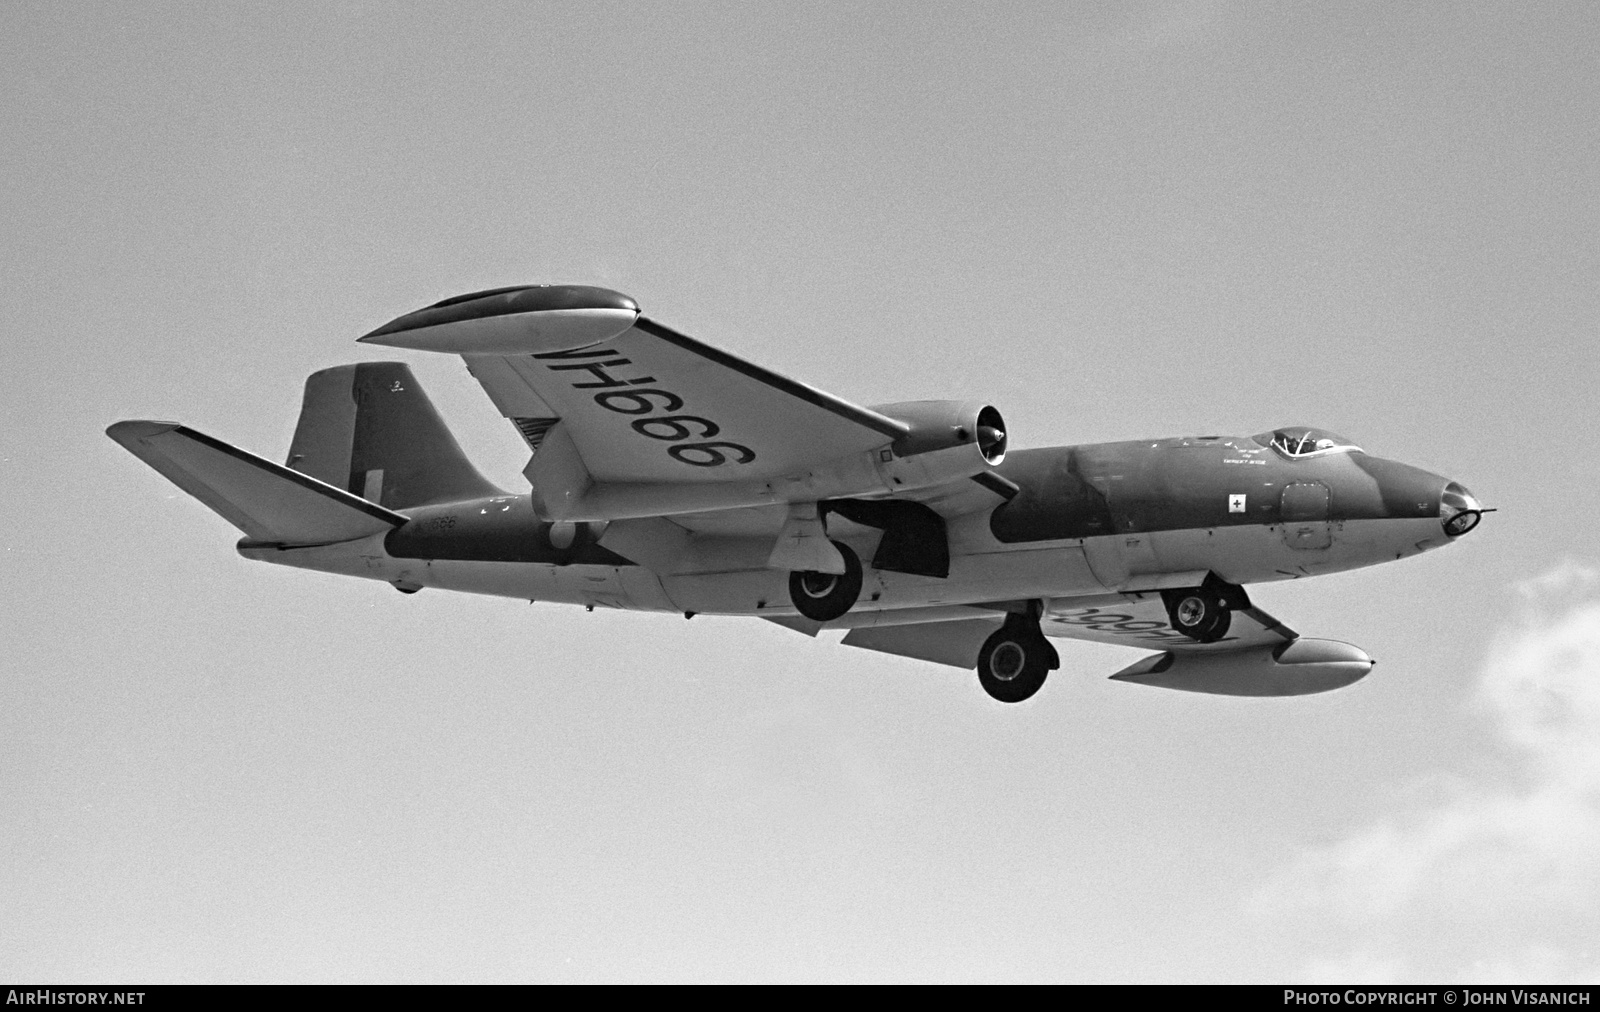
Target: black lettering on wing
[(664, 425), (586, 353), (637, 402), (673, 428), (710, 454), (602, 378)]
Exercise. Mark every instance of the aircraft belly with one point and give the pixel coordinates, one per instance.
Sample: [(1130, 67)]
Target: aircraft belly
[(1255, 554), (630, 587), (992, 576), (643, 588), (1243, 554), (1259, 553), (361, 558), (742, 592), (1374, 541), (1060, 571)]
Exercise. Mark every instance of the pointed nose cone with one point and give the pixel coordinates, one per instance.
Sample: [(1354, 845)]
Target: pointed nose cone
[(1459, 509)]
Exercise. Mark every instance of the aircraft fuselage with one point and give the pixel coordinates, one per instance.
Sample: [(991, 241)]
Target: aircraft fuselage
[(1089, 519)]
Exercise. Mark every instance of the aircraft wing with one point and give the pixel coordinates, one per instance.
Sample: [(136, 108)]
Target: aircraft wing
[(645, 404), (1140, 620), (955, 642), (1259, 656), (1130, 620)]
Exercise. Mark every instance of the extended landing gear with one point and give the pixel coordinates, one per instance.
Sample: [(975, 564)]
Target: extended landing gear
[(1204, 613), (1015, 660), (823, 597)]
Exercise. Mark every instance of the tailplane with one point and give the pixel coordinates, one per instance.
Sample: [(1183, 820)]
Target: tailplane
[(369, 429), (268, 502)]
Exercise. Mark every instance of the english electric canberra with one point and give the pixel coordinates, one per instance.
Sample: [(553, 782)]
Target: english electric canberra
[(667, 475)]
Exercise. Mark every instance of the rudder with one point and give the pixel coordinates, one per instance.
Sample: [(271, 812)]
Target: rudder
[(370, 429)]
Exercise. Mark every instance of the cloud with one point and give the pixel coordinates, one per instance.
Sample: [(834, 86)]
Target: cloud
[(1495, 882)]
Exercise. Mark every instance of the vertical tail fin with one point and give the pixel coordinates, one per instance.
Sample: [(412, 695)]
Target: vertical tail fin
[(370, 429)]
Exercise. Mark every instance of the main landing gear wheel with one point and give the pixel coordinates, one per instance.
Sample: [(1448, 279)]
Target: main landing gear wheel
[(823, 597), (1015, 660), (1202, 614)]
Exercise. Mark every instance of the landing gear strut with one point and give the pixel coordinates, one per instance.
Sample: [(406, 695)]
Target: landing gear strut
[(1204, 613), (823, 597), (1016, 659)]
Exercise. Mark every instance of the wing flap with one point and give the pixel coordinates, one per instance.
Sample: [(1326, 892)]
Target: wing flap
[(268, 502)]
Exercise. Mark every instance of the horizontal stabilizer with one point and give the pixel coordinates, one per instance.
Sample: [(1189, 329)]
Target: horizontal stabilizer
[(268, 502)]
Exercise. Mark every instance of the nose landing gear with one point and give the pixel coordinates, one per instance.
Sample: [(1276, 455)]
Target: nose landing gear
[(1016, 659), (1204, 612)]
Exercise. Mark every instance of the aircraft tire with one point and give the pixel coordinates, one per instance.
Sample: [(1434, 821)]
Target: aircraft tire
[(823, 597), (1015, 661), (1200, 614)]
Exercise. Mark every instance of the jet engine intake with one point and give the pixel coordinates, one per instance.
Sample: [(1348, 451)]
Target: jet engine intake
[(945, 425), (948, 440)]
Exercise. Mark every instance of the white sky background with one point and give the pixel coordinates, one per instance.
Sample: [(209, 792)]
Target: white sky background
[(1113, 221)]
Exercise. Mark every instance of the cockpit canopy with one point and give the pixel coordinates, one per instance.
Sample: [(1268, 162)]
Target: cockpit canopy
[(1299, 441)]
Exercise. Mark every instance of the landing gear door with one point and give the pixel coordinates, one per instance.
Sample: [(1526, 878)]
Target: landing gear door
[(1305, 516)]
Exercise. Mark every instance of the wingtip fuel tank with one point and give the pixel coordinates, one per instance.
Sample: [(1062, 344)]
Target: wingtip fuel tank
[(1297, 668), (522, 320)]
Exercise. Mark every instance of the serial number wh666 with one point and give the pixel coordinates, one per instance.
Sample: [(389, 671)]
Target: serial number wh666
[(689, 436)]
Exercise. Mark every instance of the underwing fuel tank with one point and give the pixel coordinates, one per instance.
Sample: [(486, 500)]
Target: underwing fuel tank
[(1297, 668)]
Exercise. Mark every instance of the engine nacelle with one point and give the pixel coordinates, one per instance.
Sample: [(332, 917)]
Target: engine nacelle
[(946, 425), (948, 439)]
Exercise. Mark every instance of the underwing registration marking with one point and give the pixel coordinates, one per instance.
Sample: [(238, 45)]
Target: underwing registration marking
[(690, 435), (1119, 624)]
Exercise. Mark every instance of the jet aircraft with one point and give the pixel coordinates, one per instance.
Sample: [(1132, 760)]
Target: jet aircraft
[(668, 475)]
